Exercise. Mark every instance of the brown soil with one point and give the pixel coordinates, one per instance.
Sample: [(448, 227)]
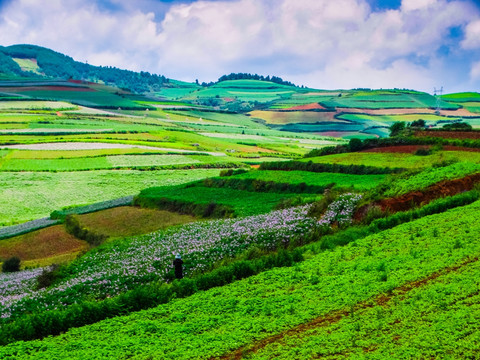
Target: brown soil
[(335, 316), (449, 134), (44, 243), (312, 106), (402, 111), (47, 88), (410, 149), (407, 149), (407, 201)]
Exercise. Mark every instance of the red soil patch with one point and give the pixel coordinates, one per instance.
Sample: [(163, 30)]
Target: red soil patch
[(228, 99), (312, 106), (47, 88), (410, 149), (406, 149), (255, 166), (407, 201), (449, 134), (403, 111), (40, 244)]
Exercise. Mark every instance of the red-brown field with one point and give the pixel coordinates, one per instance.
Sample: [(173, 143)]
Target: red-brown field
[(128, 220), (312, 106), (449, 134), (45, 243)]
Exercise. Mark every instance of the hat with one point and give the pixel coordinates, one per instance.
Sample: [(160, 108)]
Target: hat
[(178, 256)]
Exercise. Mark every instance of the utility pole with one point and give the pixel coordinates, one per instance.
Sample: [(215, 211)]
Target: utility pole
[(437, 93)]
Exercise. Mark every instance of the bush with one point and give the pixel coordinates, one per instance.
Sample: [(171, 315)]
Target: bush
[(11, 264), (423, 152), (47, 277), (73, 227)]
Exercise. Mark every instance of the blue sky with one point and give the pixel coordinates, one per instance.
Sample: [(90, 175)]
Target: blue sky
[(417, 44)]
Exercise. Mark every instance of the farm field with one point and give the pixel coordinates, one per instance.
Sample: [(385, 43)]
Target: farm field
[(128, 221), (360, 182), (30, 195), (403, 160), (371, 252), (244, 203), (43, 247), (257, 312)]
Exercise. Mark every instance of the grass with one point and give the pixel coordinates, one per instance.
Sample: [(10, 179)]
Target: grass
[(360, 182), (128, 221), (28, 195)]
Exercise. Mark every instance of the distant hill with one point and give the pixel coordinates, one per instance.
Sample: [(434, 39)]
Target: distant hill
[(37, 62)]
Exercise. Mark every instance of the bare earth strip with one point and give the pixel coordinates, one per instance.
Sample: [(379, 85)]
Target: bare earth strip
[(335, 316), (402, 111), (96, 146)]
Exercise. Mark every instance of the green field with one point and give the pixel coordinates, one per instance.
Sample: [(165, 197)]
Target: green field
[(360, 294), (29, 195), (244, 203), (402, 160), (360, 182)]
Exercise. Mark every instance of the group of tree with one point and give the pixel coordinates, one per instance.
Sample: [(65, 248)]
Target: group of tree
[(246, 76), (56, 65)]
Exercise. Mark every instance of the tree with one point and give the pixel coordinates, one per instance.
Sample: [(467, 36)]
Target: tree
[(418, 123), (355, 144), (11, 265), (396, 128)]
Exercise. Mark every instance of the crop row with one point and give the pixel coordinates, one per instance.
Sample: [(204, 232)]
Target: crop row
[(116, 267), (430, 321), (220, 321), (30, 326), (404, 183)]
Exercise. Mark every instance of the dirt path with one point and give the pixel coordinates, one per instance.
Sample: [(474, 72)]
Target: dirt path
[(333, 317)]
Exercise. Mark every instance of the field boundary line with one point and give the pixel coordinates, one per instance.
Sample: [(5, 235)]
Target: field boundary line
[(335, 316)]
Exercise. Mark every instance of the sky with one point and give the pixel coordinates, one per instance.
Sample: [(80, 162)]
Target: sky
[(325, 44)]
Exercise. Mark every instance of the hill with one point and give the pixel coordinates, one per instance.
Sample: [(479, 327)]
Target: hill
[(32, 61)]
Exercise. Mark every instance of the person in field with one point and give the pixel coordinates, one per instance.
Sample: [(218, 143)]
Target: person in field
[(178, 262)]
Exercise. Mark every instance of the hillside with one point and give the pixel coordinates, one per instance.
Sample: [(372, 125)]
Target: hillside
[(30, 61), (311, 223)]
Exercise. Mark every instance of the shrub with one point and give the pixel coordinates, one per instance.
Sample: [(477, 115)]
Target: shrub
[(423, 152), (47, 277), (11, 264), (73, 227)]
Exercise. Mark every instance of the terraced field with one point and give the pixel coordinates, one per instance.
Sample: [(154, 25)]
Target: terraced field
[(286, 312)]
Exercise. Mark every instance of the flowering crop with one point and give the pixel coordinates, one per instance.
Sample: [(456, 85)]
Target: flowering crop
[(341, 210), (119, 266)]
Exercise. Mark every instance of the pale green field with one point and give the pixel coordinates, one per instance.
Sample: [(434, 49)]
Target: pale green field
[(27, 195)]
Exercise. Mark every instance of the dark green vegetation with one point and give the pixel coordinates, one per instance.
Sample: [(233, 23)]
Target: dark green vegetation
[(333, 249)]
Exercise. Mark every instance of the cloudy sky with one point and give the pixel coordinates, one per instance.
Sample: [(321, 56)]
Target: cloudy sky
[(327, 44)]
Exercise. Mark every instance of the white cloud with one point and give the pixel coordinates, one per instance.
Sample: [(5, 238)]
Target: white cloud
[(472, 35), (319, 43), (410, 5), (475, 71)]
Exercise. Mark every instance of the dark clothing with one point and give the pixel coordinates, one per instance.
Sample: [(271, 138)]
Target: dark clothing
[(178, 268)]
